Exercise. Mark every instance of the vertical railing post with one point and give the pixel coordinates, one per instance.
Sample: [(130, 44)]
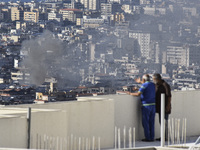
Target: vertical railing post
[(162, 141), (29, 127)]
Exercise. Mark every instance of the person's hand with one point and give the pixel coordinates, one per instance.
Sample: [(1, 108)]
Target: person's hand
[(138, 80), (135, 89)]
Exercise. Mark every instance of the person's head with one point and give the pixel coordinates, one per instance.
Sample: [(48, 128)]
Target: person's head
[(145, 78), (157, 78)]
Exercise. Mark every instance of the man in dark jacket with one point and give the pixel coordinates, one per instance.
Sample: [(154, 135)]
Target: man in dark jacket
[(162, 87)]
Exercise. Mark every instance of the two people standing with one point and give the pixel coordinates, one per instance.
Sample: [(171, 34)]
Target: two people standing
[(150, 94)]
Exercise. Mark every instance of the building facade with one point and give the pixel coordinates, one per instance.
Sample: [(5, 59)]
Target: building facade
[(31, 16), (71, 14), (178, 55), (16, 14), (106, 9), (91, 4), (143, 41), (54, 16)]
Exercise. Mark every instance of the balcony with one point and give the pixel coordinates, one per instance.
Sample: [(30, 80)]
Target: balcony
[(90, 121)]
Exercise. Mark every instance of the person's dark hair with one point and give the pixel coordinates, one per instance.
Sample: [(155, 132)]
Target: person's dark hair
[(146, 77), (157, 76)]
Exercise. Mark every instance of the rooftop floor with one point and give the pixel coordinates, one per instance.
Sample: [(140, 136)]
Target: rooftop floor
[(156, 145), (140, 145)]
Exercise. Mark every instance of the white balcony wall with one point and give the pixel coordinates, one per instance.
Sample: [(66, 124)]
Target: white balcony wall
[(92, 116)]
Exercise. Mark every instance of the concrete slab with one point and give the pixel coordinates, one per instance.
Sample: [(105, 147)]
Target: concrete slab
[(10, 112), (155, 145)]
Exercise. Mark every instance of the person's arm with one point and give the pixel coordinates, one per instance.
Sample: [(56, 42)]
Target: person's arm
[(135, 94), (168, 106), (167, 89), (168, 95), (141, 90)]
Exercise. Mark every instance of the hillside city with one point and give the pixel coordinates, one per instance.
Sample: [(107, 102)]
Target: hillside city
[(55, 50)]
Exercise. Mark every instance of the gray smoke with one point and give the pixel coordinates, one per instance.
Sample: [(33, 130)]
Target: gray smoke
[(46, 58)]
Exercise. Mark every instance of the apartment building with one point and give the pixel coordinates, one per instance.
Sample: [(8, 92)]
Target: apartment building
[(16, 13), (31, 16), (91, 4), (71, 14), (183, 55), (177, 55), (143, 41), (106, 9), (54, 16)]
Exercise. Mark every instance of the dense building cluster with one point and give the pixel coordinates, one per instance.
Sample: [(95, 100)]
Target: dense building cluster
[(99, 43)]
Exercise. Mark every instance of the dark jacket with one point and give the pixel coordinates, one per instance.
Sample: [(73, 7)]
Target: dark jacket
[(163, 88)]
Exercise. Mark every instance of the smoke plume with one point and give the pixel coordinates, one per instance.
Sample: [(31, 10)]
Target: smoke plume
[(46, 57)]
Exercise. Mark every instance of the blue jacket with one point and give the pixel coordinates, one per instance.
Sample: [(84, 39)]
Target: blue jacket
[(148, 92)]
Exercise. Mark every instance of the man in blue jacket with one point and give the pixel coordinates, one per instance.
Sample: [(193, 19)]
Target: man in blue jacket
[(147, 94)]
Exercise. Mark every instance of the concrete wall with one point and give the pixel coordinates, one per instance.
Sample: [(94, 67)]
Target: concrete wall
[(93, 116), (128, 114), (13, 132), (185, 104), (85, 119), (82, 119)]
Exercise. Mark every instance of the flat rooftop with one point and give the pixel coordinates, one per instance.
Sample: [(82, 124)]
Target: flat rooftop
[(8, 112)]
